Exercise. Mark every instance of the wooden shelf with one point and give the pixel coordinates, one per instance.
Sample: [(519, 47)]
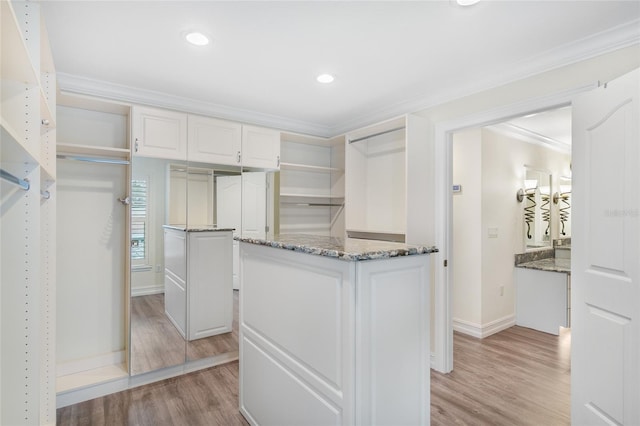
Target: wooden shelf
[(313, 196), (75, 149), (308, 168)]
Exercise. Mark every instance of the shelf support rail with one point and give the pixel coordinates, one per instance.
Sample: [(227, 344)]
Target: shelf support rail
[(22, 183), (384, 132), (103, 160)]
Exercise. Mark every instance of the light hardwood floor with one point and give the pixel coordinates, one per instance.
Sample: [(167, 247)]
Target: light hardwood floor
[(516, 377), (156, 343)]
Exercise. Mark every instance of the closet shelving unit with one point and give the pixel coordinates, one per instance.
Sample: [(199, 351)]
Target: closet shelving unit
[(93, 143), (377, 176), (311, 185), (27, 218)]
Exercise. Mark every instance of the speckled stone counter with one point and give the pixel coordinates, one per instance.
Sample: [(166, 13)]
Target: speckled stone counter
[(549, 264), (345, 249)]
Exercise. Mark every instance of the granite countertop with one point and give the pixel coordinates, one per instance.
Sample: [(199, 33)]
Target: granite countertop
[(551, 264), (197, 228), (544, 260), (344, 249)]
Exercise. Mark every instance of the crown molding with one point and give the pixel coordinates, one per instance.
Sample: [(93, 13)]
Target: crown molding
[(70, 83), (525, 135), (589, 47), (595, 45)]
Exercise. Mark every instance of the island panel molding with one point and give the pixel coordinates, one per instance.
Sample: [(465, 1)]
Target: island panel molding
[(344, 340)]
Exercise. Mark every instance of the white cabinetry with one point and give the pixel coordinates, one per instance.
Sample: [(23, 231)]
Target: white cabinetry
[(347, 345), (28, 220), (159, 133), (312, 185), (209, 283), (175, 278), (260, 147), (174, 135), (198, 281), (542, 300), (214, 141)]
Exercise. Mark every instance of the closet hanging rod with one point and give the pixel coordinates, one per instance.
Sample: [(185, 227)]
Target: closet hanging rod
[(384, 132), (103, 160), (22, 183), (313, 204)]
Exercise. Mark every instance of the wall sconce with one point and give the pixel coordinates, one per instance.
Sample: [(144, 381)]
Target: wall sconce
[(530, 186)]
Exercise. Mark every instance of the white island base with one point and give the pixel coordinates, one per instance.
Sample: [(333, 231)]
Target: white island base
[(326, 341)]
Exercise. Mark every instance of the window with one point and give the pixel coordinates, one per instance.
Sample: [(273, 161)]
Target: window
[(139, 222)]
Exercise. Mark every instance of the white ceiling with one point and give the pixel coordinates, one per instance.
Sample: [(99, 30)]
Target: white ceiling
[(389, 57)]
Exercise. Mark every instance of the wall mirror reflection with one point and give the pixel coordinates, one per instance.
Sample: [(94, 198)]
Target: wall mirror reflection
[(260, 203), (536, 196), (183, 306), (563, 199)]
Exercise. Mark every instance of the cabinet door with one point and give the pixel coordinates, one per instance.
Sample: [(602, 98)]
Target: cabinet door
[(214, 141), (260, 147), (159, 133)]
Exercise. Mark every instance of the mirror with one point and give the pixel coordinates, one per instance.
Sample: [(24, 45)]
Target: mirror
[(537, 208), (563, 199), (214, 201), (260, 203), (171, 199), (158, 198)]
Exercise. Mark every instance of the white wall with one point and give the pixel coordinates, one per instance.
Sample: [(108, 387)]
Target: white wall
[(467, 229), (491, 166)]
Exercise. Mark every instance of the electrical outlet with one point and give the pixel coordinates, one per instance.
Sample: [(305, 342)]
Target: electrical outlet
[(158, 268)]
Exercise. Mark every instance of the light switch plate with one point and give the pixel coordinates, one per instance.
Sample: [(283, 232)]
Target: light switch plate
[(493, 232)]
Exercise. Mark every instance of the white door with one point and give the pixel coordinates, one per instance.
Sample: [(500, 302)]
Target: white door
[(605, 373), (229, 212), (254, 205)]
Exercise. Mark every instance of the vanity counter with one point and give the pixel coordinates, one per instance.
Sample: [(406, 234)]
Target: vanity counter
[(344, 249), (552, 264)]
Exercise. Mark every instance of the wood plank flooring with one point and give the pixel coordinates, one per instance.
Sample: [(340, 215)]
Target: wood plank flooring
[(156, 343), (516, 377)]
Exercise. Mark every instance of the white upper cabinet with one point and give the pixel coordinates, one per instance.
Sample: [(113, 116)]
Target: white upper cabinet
[(159, 133), (260, 147), (214, 141)]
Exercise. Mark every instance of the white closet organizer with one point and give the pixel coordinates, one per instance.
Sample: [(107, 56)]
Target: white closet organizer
[(376, 178), (27, 219), (93, 263), (311, 185)]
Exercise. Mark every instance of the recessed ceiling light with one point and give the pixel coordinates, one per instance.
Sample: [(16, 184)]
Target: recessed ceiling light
[(467, 2), (325, 78), (196, 38)]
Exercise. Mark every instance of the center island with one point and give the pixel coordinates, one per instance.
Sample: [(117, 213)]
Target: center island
[(334, 332)]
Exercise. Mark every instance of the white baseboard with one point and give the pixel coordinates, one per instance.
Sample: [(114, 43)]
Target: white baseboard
[(97, 390), (147, 290), (483, 330)]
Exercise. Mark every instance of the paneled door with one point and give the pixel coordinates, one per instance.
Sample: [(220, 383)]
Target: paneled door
[(605, 363), (254, 205)]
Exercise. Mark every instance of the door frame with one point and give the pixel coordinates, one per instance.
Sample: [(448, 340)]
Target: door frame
[(442, 352)]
